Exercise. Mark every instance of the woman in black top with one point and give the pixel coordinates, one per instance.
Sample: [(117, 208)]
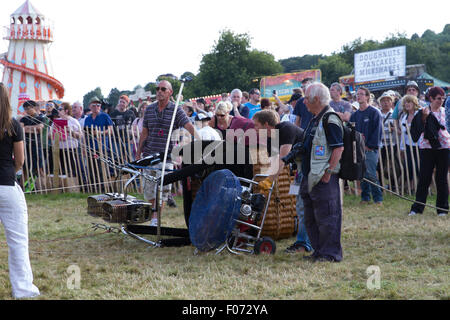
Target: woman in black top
[(13, 208), (222, 119)]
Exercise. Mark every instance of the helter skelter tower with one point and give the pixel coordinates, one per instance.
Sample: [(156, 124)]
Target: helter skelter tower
[(27, 68)]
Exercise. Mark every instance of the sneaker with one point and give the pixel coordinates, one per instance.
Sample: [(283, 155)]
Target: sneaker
[(296, 247), (154, 222), (412, 213), (442, 214), (364, 202), (171, 203)]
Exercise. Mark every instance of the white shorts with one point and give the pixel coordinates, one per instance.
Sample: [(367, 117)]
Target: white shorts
[(150, 187)]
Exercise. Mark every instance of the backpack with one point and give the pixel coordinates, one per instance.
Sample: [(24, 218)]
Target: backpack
[(353, 160)]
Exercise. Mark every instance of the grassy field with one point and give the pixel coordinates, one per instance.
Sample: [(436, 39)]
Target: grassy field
[(411, 254)]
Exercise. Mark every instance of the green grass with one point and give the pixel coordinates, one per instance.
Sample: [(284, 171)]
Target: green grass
[(411, 252)]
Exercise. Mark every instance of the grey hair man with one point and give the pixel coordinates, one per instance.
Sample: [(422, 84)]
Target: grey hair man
[(320, 184), (238, 108)]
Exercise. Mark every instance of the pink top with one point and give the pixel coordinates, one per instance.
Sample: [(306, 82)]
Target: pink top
[(444, 136)]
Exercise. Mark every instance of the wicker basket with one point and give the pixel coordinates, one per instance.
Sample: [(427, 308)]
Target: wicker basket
[(281, 218)]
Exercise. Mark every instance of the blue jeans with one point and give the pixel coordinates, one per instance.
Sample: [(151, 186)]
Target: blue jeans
[(368, 189), (302, 235)]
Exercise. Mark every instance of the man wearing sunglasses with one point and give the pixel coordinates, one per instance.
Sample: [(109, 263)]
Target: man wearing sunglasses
[(155, 132), (97, 125), (254, 103)]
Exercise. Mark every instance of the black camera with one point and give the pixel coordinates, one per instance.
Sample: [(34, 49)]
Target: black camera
[(298, 150)]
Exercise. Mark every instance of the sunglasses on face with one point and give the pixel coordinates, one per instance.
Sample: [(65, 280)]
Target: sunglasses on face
[(96, 105), (220, 115), (163, 89)]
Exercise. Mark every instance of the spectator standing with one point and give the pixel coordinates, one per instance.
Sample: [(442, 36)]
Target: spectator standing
[(253, 104), (320, 189), (155, 134), (123, 117), (341, 107), (300, 110), (78, 112), (13, 206), (33, 123), (69, 143), (412, 88), (388, 139), (245, 97), (265, 104), (96, 122), (238, 108), (222, 120), (434, 144), (367, 120), (137, 125), (410, 106)]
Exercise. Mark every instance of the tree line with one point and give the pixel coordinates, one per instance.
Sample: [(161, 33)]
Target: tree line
[(232, 63)]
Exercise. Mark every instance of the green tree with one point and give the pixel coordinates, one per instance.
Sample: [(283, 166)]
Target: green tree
[(97, 92), (231, 64), (300, 63), (332, 68), (113, 96)]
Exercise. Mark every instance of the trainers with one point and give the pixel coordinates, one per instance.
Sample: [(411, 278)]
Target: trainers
[(154, 222), (412, 213), (296, 247), (442, 214), (171, 203)]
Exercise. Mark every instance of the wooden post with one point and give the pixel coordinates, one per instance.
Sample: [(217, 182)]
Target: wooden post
[(386, 147), (403, 139), (411, 150), (56, 182), (392, 157), (402, 174)]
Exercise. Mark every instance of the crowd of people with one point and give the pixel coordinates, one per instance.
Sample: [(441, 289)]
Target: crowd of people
[(392, 125)]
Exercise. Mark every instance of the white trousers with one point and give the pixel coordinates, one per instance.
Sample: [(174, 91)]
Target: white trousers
[(14, 217)]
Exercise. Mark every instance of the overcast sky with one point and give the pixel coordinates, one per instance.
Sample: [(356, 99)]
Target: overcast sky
[(122, 44)]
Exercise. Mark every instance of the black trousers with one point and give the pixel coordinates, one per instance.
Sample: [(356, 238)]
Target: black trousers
[(430, 159)]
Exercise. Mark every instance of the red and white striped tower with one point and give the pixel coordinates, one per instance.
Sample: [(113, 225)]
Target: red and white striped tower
[(27, 68)]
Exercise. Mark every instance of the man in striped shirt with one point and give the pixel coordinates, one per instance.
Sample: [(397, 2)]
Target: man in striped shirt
[(155, 132)]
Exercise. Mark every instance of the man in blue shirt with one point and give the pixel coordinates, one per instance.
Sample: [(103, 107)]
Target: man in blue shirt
[(100, 120), (368, 121), (253, 104), (300, 110), (97, 122)]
